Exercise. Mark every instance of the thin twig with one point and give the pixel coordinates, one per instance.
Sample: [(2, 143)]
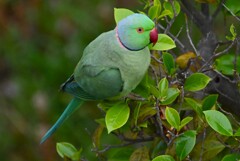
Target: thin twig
[(230, 12), (214, 15), (216, 55), (189, 37), (175, 38), (202, 146), (222, 142), (228, 113), (157, 60), (170, 23), (159, 121), (135, 97), (130, 142), (173, 137), (224, 51), (154, 73), (236, 74)]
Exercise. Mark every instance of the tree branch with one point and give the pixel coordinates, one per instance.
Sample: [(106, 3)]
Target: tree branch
[(189, 37)]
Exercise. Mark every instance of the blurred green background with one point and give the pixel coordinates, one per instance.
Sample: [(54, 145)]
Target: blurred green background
[(40, 43)]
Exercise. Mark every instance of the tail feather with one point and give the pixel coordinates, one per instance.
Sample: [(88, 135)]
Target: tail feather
[(72, 106)]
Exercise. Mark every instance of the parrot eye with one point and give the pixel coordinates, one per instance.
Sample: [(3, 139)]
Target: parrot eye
[(140, 30)]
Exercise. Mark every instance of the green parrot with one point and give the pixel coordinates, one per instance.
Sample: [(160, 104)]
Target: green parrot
[(112, 65)]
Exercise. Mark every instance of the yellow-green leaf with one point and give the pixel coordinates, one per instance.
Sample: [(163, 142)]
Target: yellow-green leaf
[(163, 158), (164, 43), (219, 122), (140, 154), (117, 116), (172, 94), (65, 149), (121, 13), (185, 144), (168, 6), (172, 117), (168, 62), (196, 82)]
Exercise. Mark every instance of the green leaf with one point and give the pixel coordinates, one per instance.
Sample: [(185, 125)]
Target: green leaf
[(172, 117), (185, 144), (225, 64), (154, 11), (168, 62), (140, 154), (97, 135), (136, 113), (233, 6), (154, 91), (65, 149), (231, 157), (185, 121), (211, 149), (237, 133), (163, 88), (172, 94), (195, 105), (121, 13), (219, 122), (156, 2), (143, 87), (233, 33), (164, 43), (120, 154), (164, 13), (168, 6), (209, 102), (196, 82), (145, 113), (117, 116), (101, 121), (163, 158)]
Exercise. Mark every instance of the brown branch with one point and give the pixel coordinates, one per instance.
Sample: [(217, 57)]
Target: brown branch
[(216, 55), (127, 140)]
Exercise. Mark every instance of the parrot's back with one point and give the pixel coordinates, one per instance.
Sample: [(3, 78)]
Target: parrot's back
[(107, 69)]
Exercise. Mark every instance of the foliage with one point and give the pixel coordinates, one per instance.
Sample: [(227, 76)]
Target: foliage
[(173, 114)]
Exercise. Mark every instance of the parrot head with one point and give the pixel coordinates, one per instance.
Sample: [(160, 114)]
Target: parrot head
[(136, 31)]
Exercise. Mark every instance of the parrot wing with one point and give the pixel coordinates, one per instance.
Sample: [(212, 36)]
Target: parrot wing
[(71, 87), (94, 83)]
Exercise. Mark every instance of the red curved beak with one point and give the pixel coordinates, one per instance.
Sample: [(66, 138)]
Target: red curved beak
[(154, 36)]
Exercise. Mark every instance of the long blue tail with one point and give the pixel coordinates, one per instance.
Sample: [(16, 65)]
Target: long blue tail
[(72, 106)]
